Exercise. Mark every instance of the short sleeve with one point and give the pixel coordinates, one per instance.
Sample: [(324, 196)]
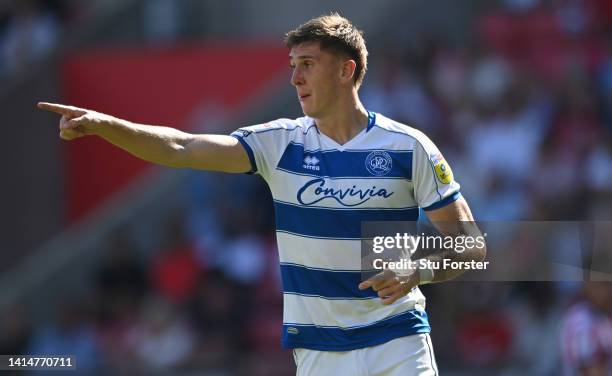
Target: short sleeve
[(433, 180), (264, 144)]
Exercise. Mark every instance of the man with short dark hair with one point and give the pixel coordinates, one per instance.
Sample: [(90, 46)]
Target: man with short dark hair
[(329, 171)]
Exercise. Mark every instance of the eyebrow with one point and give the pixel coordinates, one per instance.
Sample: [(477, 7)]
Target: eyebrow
[(302, 57)]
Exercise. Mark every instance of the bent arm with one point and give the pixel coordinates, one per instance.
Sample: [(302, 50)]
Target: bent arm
[(162, 145), (456, 220)]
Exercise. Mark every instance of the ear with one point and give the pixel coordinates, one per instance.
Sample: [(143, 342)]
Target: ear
[(348, 71)]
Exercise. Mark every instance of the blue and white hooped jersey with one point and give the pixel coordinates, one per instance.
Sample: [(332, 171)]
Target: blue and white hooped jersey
[(322, 193)]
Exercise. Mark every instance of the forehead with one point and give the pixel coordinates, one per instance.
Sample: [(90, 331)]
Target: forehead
[(308, 50)]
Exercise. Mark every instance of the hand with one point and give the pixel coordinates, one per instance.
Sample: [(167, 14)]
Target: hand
[(391, 286), (75, 122)]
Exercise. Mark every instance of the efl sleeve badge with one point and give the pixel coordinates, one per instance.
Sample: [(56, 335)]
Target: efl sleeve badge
[(443, 171)]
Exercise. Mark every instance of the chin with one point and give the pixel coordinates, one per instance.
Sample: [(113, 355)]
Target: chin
[(311, 112), (308, 112)]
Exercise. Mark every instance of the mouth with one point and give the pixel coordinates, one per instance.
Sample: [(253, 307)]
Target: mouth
[(304, 96)]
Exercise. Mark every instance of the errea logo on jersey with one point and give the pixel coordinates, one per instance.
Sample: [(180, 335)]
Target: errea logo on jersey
[(311, 163)]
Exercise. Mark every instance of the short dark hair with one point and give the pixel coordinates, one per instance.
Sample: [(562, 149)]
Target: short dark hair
[(334, 32)]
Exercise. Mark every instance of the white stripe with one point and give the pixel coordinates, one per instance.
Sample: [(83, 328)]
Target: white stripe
[(319, 253), (329, 297), (326, 253), (308, 310), (346, 150), (313, 237), (286, 186), (343, 208)]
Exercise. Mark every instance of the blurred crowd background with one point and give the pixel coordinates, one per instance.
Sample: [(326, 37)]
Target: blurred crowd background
[(518, 96)]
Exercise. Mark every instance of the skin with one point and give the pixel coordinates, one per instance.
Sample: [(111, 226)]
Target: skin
[(454, 219), (325, 87), (324, 84)]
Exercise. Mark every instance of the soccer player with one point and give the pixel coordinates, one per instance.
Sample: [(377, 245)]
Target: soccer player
[(329, 171), (586, 333)]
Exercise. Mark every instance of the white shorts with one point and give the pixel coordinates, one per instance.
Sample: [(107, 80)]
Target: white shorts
[(407, 356)]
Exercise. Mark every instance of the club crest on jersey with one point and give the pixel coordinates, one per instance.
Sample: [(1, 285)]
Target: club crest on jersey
[(442, 169), (311, 163), (379, 163)]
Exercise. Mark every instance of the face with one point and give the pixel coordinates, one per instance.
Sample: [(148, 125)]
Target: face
[(318, 78)]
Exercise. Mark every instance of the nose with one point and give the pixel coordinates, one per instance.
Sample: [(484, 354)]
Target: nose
[(297, 78)]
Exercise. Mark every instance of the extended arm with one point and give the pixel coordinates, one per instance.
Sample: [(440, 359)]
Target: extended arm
[(162, 145)]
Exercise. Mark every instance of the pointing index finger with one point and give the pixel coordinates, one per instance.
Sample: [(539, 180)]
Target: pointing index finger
[(61, 109)]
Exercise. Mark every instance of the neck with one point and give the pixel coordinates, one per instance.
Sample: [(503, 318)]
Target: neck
[(348, 118)]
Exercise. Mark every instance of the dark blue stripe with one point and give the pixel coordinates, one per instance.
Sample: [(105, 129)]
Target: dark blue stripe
[(330, 223), (301, 280), (249, 152), (336, 339), (334, 178), (445, 201), (345, 163)]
